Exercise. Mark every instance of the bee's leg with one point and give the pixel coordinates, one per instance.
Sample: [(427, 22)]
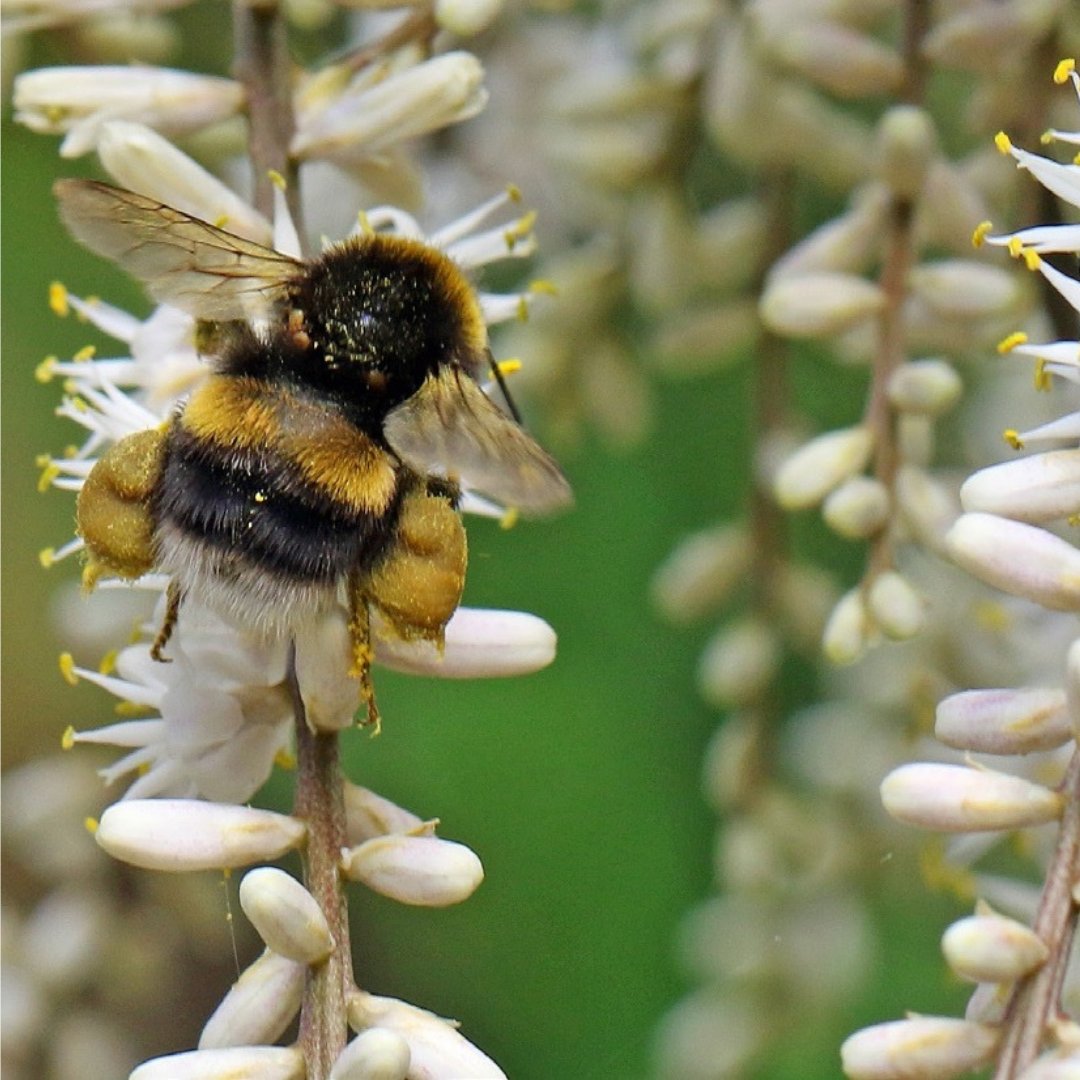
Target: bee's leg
[(173, 598), (363, 654)]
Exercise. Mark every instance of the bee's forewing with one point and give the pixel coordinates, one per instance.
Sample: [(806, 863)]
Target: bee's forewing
[(450, 428), (181, 260)]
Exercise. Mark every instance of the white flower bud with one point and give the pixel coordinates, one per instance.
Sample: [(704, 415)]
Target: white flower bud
[(78, 100), (710, 1034), (738, 664), (949, 203), (1072, 685), (436, 1047), (368, 118), (1018, 559), (1004, 721), (992, 948), (925, 386), (955, 798), (423, 870), (186, 834), (699, 575), (1038, 488), (467, 17), (287, 917), (843, 61), (820, 465), (895, 606), (915, 438), (907, 143), (919, 1047), (966, 290), (818, 305), (324, 657), (259, 1006), (848, 631), (970, 38), (375, 1054), (233, 1063), (368, 815), (138, 158), (1054, 1065), (704, 340), (66, 935), (480, 644), (858, 508), (927, 506), (729, 240)]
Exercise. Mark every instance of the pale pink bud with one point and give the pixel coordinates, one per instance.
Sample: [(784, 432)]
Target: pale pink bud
[(1004, 721), (738, 663), (1019, 559), (701, 573), (375, 1054), (233, 1063), (820, 465), (956, 798), (1041, 487), (992, 948), (287, 917), (368, 815), (896, 608), (848, 631), (259, 1006), (186, 834), (858, 508), (423, 870), (925, 386), (438, 1051), (919, 1048), (965, 289), (467, 17), (817, 305), (907, 143)]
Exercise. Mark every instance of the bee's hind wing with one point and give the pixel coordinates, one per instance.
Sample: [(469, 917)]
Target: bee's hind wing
[(450, 428), (183, 261)]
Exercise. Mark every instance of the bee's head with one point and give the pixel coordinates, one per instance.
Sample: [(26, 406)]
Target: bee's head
[(387, 311)]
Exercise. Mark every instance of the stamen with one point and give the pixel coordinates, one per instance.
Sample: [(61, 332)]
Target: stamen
[(980, 233), (1007, 344), (58, 300)]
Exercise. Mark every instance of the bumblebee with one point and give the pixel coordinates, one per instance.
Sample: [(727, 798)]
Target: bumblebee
[(323, 457)]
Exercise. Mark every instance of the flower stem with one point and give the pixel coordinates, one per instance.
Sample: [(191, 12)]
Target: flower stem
[(320, 805), (1035, 1001)]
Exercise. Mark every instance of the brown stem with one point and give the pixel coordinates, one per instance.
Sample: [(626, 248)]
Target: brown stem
[(320, 805), (1035, 1001), (263, 67)]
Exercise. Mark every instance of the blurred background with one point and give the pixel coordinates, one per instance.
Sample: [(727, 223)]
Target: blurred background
[(581, 787)]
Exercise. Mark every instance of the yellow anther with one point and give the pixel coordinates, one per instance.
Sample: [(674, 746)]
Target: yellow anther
[(91, 825), (48, 475), (47, 557), (129, 709), (941, 875), (513, 192), (1076, 159), (277, 180), (79, 404), (108, 662), (285, 759), (365, 223), (85, 354), (1016, 247), (1003, 143), (1043, 382), (994, 616), (522, 309), (509, 518), (980, 233), (70, 451), (1007, 344), (520, 229), (58, 300), (67, 740), (220, 221), (46, 370), (42, 460), (1064, 70), (1032, 259), (1073, 520), (1012, 437), (510, 366), (56, 114), (1046, 138), (543, 285), (67, 669)]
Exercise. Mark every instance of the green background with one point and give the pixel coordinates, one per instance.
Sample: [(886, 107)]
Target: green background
[(578, 786)]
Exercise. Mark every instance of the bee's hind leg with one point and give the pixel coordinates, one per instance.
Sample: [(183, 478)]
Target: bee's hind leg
[(363, 653), (173, 598)]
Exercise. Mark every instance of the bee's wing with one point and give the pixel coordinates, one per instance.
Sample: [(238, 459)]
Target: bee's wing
[(181, 260), (450, 428)]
